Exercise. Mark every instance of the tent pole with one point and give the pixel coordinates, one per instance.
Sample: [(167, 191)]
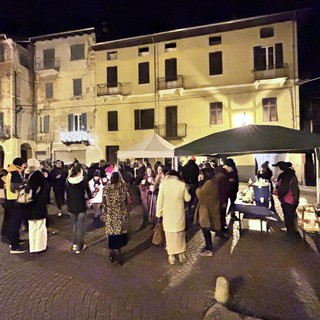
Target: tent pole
[(316, 151)]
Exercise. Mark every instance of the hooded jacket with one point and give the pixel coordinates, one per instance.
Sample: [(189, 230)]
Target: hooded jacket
[(13, 180)]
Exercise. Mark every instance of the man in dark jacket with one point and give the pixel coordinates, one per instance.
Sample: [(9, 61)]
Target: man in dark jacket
[(57, 177), (190, 175)]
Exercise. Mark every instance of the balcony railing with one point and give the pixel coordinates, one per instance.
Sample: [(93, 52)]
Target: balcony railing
[(271, 72), (166, 131), (47, 64), (172, 83), (73, 137), (5, 132), (108, 89)]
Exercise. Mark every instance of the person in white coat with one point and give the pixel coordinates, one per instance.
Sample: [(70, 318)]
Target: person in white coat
[(96, 188), (170, 206)]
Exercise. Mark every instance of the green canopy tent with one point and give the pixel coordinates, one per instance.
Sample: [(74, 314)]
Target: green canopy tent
[(254, 139)]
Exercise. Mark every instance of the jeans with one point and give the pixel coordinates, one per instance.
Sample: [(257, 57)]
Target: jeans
[(207, 238), (59, 197), (290, 216), (78, 220), (16, 213)]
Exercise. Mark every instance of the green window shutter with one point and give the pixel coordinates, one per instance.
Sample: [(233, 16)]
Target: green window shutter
[(70, 122), (83, 122)]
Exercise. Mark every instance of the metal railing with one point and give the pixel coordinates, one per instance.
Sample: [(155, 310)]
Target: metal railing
[(120, 88), (177, 131), (271, 72), (171, 83), (47, 64)]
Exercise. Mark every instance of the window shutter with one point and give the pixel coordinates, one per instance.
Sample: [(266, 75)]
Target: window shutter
[(215, 63), (70, 122), (171, 69), (46, 124), (144, 72), (279, 55), (136, 119), (83, 122), (33, 125)]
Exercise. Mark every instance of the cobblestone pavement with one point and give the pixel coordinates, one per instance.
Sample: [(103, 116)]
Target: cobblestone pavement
[(269, 278)]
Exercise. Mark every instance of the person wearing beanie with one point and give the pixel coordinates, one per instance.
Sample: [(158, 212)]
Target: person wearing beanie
[(16, 212), (36, 210), (96, 188), (288, 193), (266, 174)]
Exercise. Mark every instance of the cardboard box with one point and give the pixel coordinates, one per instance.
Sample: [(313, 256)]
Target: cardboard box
[(254, 224)]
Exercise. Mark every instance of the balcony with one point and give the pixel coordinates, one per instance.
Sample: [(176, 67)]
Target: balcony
[(75, 137), (114, 89), (271, 72), (166, 84), (5, 132), (171, 132), (47, 66)]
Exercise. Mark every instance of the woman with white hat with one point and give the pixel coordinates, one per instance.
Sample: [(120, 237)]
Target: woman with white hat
[(36, 210)]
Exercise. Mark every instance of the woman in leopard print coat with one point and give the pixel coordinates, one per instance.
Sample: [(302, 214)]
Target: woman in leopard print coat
[(116, 215)]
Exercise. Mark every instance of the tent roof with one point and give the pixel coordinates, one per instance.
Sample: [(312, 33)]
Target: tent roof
[(151, 147), (251, 139)]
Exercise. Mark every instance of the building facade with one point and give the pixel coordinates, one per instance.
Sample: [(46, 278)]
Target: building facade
[(17, 108), (93, 99)]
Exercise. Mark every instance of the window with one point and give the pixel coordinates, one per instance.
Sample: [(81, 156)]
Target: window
[(144, 73), (269, 107), (112, 55), (266, 32), (77, 52), (44, 124), (171, 69), (77, 87), (77, 122), (268, 57), (49, 90), (214, 40), (48, 58), (215, 113), (170, 46), (144, 51), (112, 77), (113, 121), (23, 59), (215, 63), (1, 122), (144, 119), (2, 51)]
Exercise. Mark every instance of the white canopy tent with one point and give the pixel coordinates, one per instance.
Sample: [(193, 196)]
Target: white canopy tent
[(152, 146)]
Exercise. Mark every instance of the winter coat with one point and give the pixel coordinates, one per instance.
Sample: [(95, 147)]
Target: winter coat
[(288, 188), (170, 204), (207, 212), (57, 183), (13, 180), (77, 189), (190, 172), (96, 191), (116, 208), (224, 186), (37, 209)]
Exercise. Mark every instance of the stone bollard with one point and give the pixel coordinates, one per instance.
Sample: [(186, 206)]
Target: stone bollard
[(222, 290)]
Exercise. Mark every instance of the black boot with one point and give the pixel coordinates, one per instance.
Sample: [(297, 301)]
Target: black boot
[(94, 224)]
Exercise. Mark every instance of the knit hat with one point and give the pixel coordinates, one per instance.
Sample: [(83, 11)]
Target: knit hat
[(97, 173), (33, 165), (229, 163), (18, 162)]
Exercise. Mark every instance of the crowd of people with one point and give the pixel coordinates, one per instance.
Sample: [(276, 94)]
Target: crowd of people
[(200, 192)]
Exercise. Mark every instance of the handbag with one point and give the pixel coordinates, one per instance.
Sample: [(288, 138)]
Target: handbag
[(158, 238), (24, 195)]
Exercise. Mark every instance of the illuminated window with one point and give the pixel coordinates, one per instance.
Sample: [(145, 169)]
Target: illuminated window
[(215, 113), (144, 119), (77, 122), (269, 107)]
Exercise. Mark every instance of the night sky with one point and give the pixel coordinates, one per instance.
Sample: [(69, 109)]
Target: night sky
[(126, 18)]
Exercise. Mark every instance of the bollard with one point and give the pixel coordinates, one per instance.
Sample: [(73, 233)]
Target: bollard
[(222, 290)]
